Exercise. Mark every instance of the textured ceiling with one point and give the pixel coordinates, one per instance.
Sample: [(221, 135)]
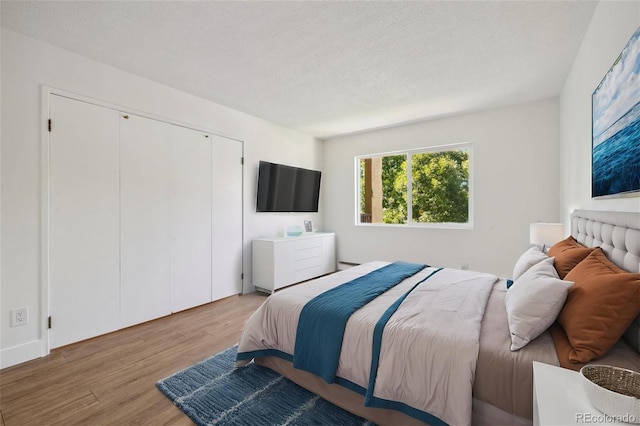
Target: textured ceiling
[(326, 68)]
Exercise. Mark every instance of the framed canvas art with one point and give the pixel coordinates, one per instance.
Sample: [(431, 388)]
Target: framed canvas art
[(616, 126), (308, 225)]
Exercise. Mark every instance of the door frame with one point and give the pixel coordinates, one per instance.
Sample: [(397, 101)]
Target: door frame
[(45, 284)]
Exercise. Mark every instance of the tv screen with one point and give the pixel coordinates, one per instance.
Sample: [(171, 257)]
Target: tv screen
[(287, 189)]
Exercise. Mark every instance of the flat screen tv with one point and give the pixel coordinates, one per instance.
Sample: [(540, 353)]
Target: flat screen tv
[(287, 189)]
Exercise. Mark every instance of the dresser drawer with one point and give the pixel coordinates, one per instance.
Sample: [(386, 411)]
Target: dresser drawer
[(307, 243), (306, 274), (307, 253), (311, 262)]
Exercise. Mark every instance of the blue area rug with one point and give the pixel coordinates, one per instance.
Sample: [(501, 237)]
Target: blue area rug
[(212, 392)]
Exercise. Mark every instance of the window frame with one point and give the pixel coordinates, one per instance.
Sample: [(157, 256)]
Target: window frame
[(469, 146)]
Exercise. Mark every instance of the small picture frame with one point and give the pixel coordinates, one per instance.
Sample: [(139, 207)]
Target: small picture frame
[(308, 225)]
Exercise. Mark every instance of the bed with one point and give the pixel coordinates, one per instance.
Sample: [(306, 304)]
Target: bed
[(438, 343)]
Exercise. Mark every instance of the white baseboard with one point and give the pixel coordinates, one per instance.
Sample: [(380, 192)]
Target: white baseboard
[(21, 353)]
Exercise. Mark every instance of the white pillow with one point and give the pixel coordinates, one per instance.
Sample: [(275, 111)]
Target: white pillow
[(529, 258), (534, 301)]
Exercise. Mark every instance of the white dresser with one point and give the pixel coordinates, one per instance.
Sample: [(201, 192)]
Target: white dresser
[(282, 261)]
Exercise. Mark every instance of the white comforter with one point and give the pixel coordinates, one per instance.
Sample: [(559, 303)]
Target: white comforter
[(429, 346)]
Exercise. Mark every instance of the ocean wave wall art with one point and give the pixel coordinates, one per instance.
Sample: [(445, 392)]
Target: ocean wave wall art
[(616, 126)]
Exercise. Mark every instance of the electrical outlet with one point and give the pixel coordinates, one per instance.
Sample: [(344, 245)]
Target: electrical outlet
[(19, 317)]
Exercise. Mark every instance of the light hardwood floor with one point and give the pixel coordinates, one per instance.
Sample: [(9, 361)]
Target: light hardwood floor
[(110, 380)]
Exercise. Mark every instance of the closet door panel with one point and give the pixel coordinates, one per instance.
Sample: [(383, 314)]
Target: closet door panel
[(190, 218), (145, 219), (83, 221), (227, 217)]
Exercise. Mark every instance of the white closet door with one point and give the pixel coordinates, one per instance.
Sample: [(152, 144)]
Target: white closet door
[(145, 219), (84, 224), (190, 218), (227, 217)]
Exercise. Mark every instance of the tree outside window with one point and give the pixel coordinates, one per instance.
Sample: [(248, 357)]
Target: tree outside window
[(434, 182)]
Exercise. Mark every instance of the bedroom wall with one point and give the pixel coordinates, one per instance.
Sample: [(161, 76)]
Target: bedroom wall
[(26, 65), (515, 178), (611, 28)]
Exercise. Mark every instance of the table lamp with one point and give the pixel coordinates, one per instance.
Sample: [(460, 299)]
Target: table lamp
[(545, 234)]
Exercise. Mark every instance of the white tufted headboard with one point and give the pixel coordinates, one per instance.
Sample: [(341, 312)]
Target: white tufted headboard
[(618, 234)]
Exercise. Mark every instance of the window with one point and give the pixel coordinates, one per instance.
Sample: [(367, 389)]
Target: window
[(435, 182)]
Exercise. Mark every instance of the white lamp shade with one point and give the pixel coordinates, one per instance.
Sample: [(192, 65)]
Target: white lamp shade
[(546, 234)]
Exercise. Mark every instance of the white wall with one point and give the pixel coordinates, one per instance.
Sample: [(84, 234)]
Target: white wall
[(611, 28), (26, 65), (515, 182)]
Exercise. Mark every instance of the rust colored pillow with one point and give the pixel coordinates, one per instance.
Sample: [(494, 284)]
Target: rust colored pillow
[(600, 306), (563, 348), (568, 254)]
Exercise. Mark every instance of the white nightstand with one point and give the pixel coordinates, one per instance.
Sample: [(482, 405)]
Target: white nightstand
[(559, 399)]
